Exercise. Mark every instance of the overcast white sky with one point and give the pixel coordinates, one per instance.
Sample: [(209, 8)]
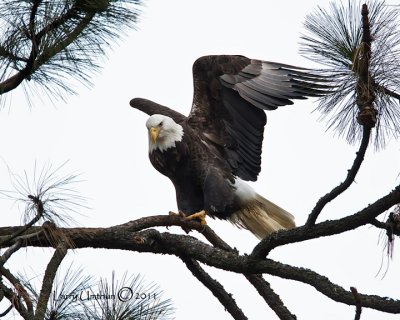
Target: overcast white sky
[(106, 140)]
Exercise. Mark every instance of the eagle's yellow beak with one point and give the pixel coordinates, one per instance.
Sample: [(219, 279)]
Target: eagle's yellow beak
[(154, 134)]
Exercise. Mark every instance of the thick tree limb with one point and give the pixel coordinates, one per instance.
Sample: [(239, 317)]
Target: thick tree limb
[(182, 245), (216, 288), (129, 236)]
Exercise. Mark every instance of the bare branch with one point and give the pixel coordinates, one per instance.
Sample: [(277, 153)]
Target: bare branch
[(6, 255), (270, 297), (48, 279), (129, 237), (258, 282), (120, 237), (20, 289), (351, 174), (14, 300), (379, 224), (215, 287), (358, 303), (327, 228)]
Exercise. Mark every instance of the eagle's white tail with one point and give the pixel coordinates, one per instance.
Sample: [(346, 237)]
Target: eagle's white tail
[(260, 216)]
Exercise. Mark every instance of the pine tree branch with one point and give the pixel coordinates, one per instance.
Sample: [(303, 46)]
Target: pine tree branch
[(271, 298), (48, 280), (182, 245), (59, 41), (61, 45), (351, 174), (15, 301), (130, 237), (19, 288), (216, 240), (8, 253), (387, 91), (35, 61), (358, 303), (215, 287), (257, 281), (39, 214), (327, 228), (15, 80), (379, 224)]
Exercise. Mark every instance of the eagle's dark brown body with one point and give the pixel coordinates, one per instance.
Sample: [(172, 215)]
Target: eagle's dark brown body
[(202, 179)]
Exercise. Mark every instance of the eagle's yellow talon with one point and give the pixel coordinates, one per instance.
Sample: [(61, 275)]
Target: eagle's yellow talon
[(201, 215)]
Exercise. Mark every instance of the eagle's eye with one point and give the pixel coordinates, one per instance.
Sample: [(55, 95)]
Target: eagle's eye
[(160, 124)]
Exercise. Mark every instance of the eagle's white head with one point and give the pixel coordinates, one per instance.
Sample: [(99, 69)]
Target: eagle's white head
[(164, 132)]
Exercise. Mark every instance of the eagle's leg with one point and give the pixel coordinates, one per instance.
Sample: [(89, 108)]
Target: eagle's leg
[(201, 215)]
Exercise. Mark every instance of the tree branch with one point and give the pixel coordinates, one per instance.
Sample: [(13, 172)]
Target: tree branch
[(6, 255), (215, 287), (129, 237), (327, 228), (35, 59), (270, 297), (15, 80), (351, 174), (14, 300), (258, 282), (20, 289), (39, 214), (387, 91), (182, 245), (48, 280), (358, 303), (366, 115), (64, 43), (379, 224)]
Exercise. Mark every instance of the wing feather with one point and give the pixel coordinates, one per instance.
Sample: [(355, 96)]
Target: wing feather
[(151, 108), (230, 96)]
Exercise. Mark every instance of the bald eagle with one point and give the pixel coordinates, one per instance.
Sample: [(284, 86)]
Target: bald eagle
[(209, 154)]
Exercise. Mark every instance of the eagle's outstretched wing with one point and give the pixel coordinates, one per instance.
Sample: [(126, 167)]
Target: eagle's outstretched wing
[(150, 107), (230, 96)]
